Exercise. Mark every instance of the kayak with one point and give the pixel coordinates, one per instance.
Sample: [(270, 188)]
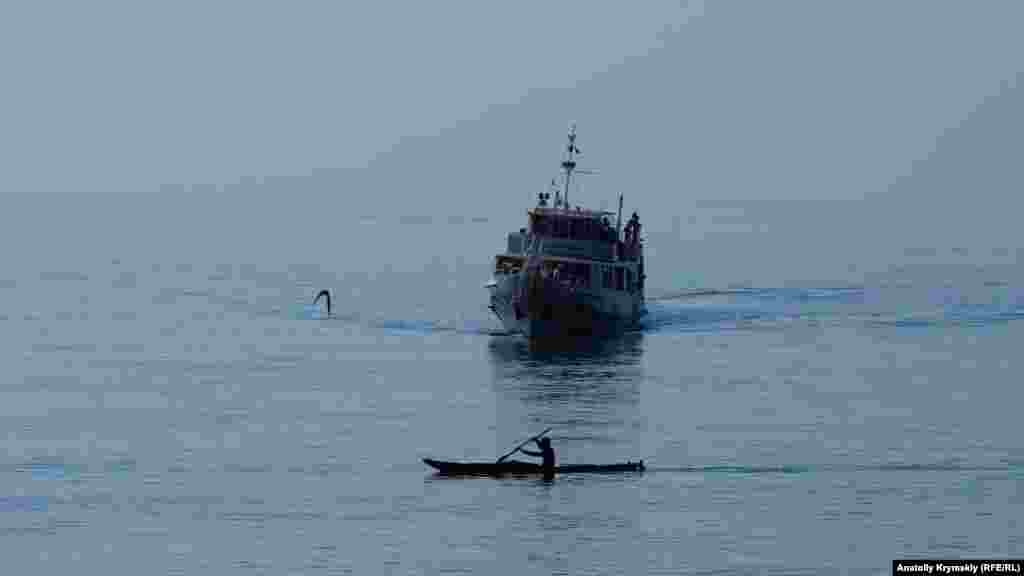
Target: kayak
[(516, 467)]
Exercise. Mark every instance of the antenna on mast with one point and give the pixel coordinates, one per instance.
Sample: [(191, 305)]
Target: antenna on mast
[(570, 163)]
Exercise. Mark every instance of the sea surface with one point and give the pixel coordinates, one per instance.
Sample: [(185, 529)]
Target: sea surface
[(171, 402)]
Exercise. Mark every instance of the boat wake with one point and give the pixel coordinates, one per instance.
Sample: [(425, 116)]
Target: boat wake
[(747, 308), (407, 326), (433, 327), (777, 294), (1006, 466), (752, 309), (873, 308)]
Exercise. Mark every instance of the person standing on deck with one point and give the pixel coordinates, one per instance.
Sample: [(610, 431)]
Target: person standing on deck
[(546, 452)]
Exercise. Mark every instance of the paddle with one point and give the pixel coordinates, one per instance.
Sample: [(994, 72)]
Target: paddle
[(525, 442)]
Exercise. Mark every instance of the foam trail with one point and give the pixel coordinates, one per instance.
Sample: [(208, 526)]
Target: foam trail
[(836, 469), (310, 312)]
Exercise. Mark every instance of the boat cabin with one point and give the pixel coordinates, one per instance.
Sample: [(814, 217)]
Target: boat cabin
[(577, 233), (577, 246), (578, 224)]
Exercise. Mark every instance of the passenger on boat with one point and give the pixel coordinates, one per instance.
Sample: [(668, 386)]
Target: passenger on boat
[(633, 230), (607, 232), (546, 452)]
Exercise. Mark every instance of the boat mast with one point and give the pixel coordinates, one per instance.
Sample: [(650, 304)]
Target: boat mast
[(618, 221), (569, 165)]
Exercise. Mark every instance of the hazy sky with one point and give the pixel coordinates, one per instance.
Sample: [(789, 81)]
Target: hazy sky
[(791, 97), (107, 95)]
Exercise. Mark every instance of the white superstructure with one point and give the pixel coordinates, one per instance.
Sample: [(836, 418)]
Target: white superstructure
[(571, 271)]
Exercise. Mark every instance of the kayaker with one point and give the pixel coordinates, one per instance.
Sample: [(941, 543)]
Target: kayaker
[(546, 452)]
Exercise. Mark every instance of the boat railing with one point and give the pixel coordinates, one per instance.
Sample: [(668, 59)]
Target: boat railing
[(572, 248)]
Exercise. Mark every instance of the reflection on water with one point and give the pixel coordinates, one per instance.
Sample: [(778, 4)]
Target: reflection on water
[(514, 352), (586, 392), (599, 372)]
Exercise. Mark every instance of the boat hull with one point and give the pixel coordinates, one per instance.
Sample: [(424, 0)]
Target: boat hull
[(518, 468), (556, 314)]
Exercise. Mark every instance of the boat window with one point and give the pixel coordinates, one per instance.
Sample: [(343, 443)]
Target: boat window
[(571, 274), (539, 225), (619, 278), (505, 265)]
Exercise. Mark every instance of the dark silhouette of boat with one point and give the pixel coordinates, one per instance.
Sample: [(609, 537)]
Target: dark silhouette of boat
[(518, 468), (571, 272)]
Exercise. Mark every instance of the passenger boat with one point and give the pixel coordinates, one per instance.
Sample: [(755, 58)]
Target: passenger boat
[(571, 272), (516, 468)]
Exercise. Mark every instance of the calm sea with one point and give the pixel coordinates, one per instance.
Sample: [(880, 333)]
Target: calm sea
[(806, 403)]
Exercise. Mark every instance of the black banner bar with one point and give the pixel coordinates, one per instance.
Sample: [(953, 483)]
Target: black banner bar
[(931, 567)]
